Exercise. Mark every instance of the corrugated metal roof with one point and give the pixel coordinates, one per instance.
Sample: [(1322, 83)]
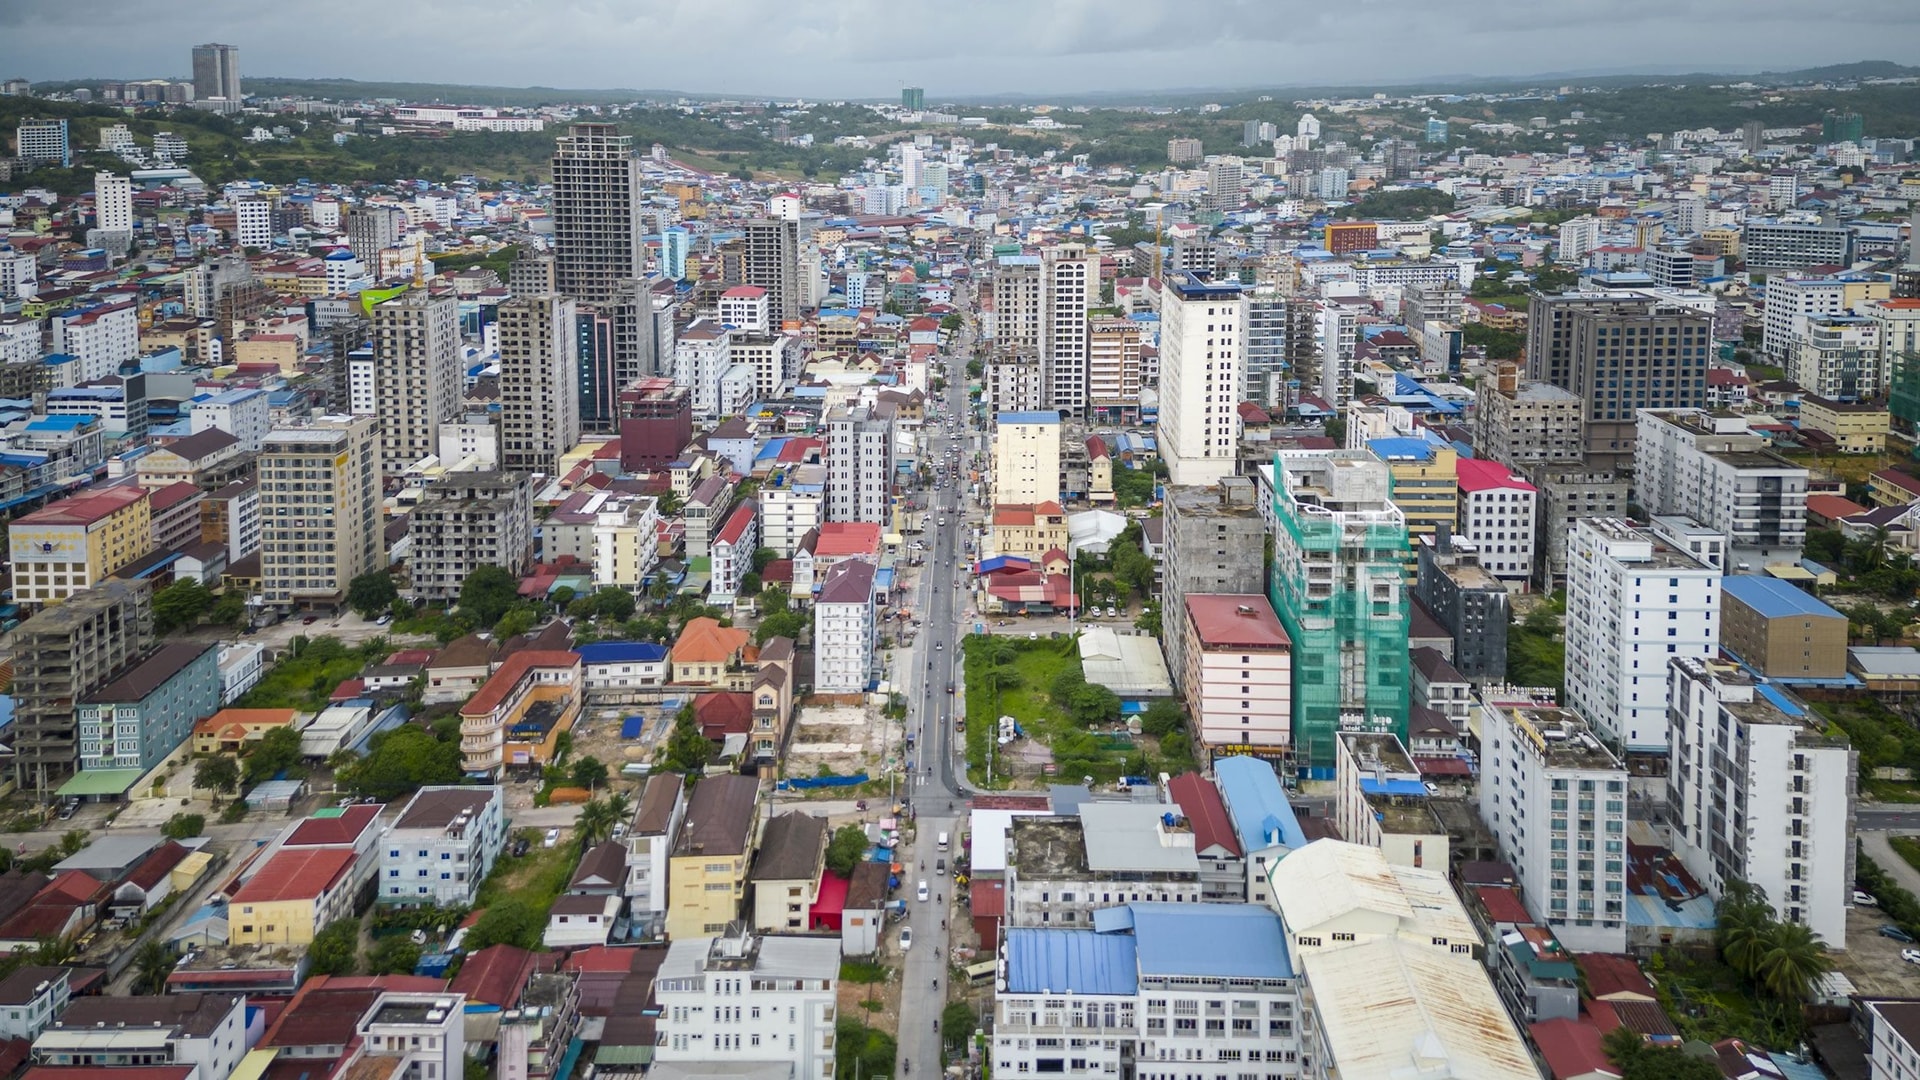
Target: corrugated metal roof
[(1261, 814), (1773, 598), (1232, 941), (1390, 1009), (1080, 961)]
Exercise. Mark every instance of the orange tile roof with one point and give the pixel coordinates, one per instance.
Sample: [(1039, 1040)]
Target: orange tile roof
[(705, 641), (501, 685), (245, 718)]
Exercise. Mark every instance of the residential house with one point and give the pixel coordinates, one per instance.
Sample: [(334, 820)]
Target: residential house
[(662, 806), (786, 872), (708, 867), (291, 897), (442, 846)]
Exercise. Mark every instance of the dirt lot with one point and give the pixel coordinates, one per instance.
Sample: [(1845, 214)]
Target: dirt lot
[(845, 739)]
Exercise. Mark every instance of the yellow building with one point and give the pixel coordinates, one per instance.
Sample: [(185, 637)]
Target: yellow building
[(292, 896), (1856, 427), (281, 350), (75, 543), (692, 198), (1029, 531), (707, 870), (1426, 484)]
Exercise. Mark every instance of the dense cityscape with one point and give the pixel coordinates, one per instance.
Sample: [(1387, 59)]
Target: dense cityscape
[(1416, 583)]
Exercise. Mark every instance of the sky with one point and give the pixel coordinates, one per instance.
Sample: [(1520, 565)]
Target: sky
[(870, 48)]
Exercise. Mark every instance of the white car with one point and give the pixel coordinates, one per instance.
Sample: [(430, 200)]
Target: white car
[(906, 938), (921, 894), (1864, 899), (553, 838), (1911, 956)]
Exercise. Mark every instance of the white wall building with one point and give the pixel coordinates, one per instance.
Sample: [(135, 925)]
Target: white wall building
[(1759, 792), (1714, 469), (744, 309), (242, 414), (207, 1033), (426, 1032), (113, 202), (1026, 458), (1790, 300), (1238, 680), (792, 504), (859, 458), (845, 629), (1497, 515), (701, 356), (1895, 1029), (1556, 801), (743, 1001), (1202, 327), (1633, 603), (100, 338), (253, 223), (442, 846)]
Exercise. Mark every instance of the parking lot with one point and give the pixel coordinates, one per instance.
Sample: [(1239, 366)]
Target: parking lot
[(1873, 962)]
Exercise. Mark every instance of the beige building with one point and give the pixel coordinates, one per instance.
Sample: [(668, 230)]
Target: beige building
[(417, 381), (539, 370), (1029, 531), (1856, 427), (1026, 458), (1521, 423), (465, 521), (1238, 677), (1781, 630), (1113, 369), (707, 873), (786, 872), (70, 545), (320, 510)]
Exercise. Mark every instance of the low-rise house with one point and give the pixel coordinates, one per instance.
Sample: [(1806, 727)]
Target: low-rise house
[(613, 668), (150, 883), (1262, 819), (32, 997), (296, 893), (1223, 866), (442, 846), (206, 1034), (351, 828), (1380, 801), (786, 872), (863, 915), (576, 920), (656, 822), (708, 868), (458, 670), (708, 654)]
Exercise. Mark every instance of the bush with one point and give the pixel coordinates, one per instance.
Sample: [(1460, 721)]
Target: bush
[(184, 826)]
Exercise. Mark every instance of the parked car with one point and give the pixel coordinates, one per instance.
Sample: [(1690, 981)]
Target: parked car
[(1864, 899), (520, 847), (553, 838), (906, 938), (1911, 956), (1896, 934)]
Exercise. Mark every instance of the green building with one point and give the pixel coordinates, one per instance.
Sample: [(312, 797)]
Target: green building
[(913, 98), (1339, 587), (1839, 127)]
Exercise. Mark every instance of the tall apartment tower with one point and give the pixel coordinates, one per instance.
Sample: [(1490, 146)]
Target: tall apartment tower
[(216, 72), (61, 655), (539, 404), (1634, 602), (598, 240), (373, 228), (321, 524), (465, 521), (113, 202), (1265, 355), (1215, 542), (773, 263), (859, 465), (1202, 328), (1620, 354), (416, 349), (37, 141), (1019, 294), (1339, 587), (1071, 282)]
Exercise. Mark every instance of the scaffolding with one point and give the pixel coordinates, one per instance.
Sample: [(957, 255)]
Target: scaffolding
[(1339, 589), (1904, 399)]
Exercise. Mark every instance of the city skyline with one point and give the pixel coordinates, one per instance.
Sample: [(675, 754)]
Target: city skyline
[(853, 50)]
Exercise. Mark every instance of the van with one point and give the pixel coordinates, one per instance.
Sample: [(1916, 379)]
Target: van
[(943, 841)]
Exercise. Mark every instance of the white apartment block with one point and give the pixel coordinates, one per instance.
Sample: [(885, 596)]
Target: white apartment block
[(1714, 469), (1790, 301), (1497, 516), (243, 414), (774, 359), (442, 846), (1759, 791), (1064, 869), (626, 543), (417, 375), (1895, 1030), (363, 394), (1633, 603), (1113, 365), (859, 458), (1238, 680), (19, 273), (1899, 330), (100, 338), (253, 223), (1202, 326), (845, 629), (1339, 333), (1555, 799), (744, 308), (1026, 458), (792, 504), (1071, 284), (1838, 357), (423, 1034), (206, 1033), (745, 1001), (113, 202), (702, 355)]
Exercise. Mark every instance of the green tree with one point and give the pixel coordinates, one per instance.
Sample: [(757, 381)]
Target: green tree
[(180, 605), (336, 948), (372, 593), (217, 773), (184, 826), (72, 841), (1741, 920), (1162, 718), (613, 603), (786, 624), (511, 920), (775, 600), (1792, 961), (275, 752), (1068, 682), (393, 955), (400, 762), (688, 749), (595, 823), (151, 966), (229, 610), (1637, 1060), (588, 772), (487, 594), (1093, 705), (860, 1051), (846, 849), (750, 584), (762, 558), (957, 1022), (1149, 619), (518, 620)]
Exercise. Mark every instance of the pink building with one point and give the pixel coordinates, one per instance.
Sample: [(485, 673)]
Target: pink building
[(1238, 678)]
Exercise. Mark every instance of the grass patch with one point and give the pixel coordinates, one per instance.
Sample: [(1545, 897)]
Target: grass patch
[(305, 678), (1907, 848), (1882, 737), (1034, 663), (1889, 791), (1709, 1001), (536, 877), (863, 971)]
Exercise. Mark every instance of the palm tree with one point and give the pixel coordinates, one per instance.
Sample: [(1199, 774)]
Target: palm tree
[(1793, 959), (152, 966), (619, 805), (1744, 918), (596, 822)]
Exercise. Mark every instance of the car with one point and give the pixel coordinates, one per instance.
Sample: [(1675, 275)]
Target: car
[(1911, 956), (921, 893), (68, 809), (309, 620), (552, 840), (383, 620), (940, 867), (619, 830), (939, 646), (1864, 899), (906, 938), (949, 688), (943, 523), (1896, 934), (1432, 788), (520, 847)]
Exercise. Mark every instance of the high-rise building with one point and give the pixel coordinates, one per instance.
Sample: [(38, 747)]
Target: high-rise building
[(1070, 281), (1225, 184), (1265, 354), (539, 405), (1621, 354), (1715, 469), (1215, 542), (373, 228), (1552, 793), (321, 525), (1840, 126), (1019, 303), (61, 655), (675, 242), (913, 98), (1634, 602), (773, 263), (1774, 245), (1436, 130), (1776, 812), (1753, 137), (1339, 587), (597, 234), (1026, 458), (467, 520), (253, 223), (216, 72), (1113, 371), (1202, 325), (1523, 423), (859, 455), (113, 202), (43, 142), (417, 378), (1183, 151)]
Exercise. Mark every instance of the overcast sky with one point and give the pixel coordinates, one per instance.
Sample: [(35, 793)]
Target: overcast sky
[(869, 48)]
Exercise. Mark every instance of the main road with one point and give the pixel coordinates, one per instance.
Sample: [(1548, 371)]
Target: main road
[(937, 789)]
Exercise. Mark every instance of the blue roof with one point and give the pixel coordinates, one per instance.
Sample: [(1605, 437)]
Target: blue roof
[(1400, 447), (1371, 786), (1773, 598), (1226, 941), (1261, 814), (60, 423), (614, 652), (1779, 700), (1080, 961), (1039, 417)]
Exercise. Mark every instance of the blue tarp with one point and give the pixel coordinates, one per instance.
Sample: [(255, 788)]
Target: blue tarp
[(631, 727), (811, 782)]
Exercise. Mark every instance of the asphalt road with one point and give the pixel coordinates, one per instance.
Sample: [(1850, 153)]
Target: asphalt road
[(1887, 819), (936, 790)]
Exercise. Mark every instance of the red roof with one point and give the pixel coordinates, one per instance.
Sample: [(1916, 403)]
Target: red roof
[(296, 874), (600, 958), (1236, 620), (837, 538), (157, 865), (737, 523), (494, 975), (1892, 476), (1206, 813), (744, 292), (172, 495), (987, 899), (344, 828), (1251, 413), (1833, 507), (105, 1072), (1571, 1049), (501, 686), (86, 507), (1503, 905), (1480, 474), (724, 714), (1615, 978)]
